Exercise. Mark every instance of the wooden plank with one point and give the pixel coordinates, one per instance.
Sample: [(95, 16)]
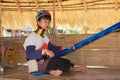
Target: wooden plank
[(109, 58)]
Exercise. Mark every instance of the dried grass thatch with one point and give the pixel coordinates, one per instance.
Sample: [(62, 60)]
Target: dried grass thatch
[(72, 14), (95, 20)]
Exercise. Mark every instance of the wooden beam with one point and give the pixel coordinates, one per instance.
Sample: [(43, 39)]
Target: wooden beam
[(116, 4), (37, 4), (64, 9), (18, 6), (60, 5), (85, 5)]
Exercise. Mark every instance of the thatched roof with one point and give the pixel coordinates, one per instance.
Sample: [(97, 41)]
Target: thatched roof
[(78, 14)]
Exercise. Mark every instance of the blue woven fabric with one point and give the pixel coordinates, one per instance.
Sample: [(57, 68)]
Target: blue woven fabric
[(89, 39)]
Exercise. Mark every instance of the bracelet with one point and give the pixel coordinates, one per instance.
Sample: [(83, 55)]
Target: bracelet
[(73, 47)]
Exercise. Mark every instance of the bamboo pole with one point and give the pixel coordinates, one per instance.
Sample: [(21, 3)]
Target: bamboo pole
[(54, 26), (2, 51), (116, 4), (0, 20)]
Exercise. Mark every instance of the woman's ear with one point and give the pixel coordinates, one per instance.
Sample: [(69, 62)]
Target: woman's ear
[(38, 22)]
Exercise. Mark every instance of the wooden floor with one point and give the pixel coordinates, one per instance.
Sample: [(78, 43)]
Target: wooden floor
[(20, 73)]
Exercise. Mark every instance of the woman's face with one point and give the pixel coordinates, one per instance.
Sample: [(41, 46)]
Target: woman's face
[(44, 23)]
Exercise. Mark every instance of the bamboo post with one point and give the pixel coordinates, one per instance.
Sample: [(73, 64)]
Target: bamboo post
[(54, 26), (0, 20), (2, 52), (2, 60)]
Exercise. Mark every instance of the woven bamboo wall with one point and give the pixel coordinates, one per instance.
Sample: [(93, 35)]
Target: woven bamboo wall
[(102, 52)]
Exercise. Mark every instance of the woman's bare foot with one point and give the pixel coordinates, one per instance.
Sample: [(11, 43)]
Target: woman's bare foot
[(80, 69), (55, 72)]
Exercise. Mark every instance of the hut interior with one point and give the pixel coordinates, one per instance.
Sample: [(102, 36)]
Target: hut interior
[(74, 21)]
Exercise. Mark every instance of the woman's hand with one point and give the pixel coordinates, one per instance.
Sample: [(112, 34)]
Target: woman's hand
[(49, 53), (62, 48)]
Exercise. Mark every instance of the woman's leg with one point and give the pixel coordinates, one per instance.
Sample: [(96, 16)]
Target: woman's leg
[(75, 69), (57, 66)]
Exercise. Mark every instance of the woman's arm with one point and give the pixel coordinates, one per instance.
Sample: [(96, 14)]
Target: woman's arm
[(31, 53), (54, 48)]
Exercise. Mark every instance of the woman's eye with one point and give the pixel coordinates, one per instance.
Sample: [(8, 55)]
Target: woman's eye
[(46, 21)]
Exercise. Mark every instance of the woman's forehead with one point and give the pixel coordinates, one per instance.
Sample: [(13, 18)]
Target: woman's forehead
[(45, 18)]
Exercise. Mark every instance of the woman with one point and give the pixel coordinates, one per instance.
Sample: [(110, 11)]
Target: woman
[(40, 51)]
